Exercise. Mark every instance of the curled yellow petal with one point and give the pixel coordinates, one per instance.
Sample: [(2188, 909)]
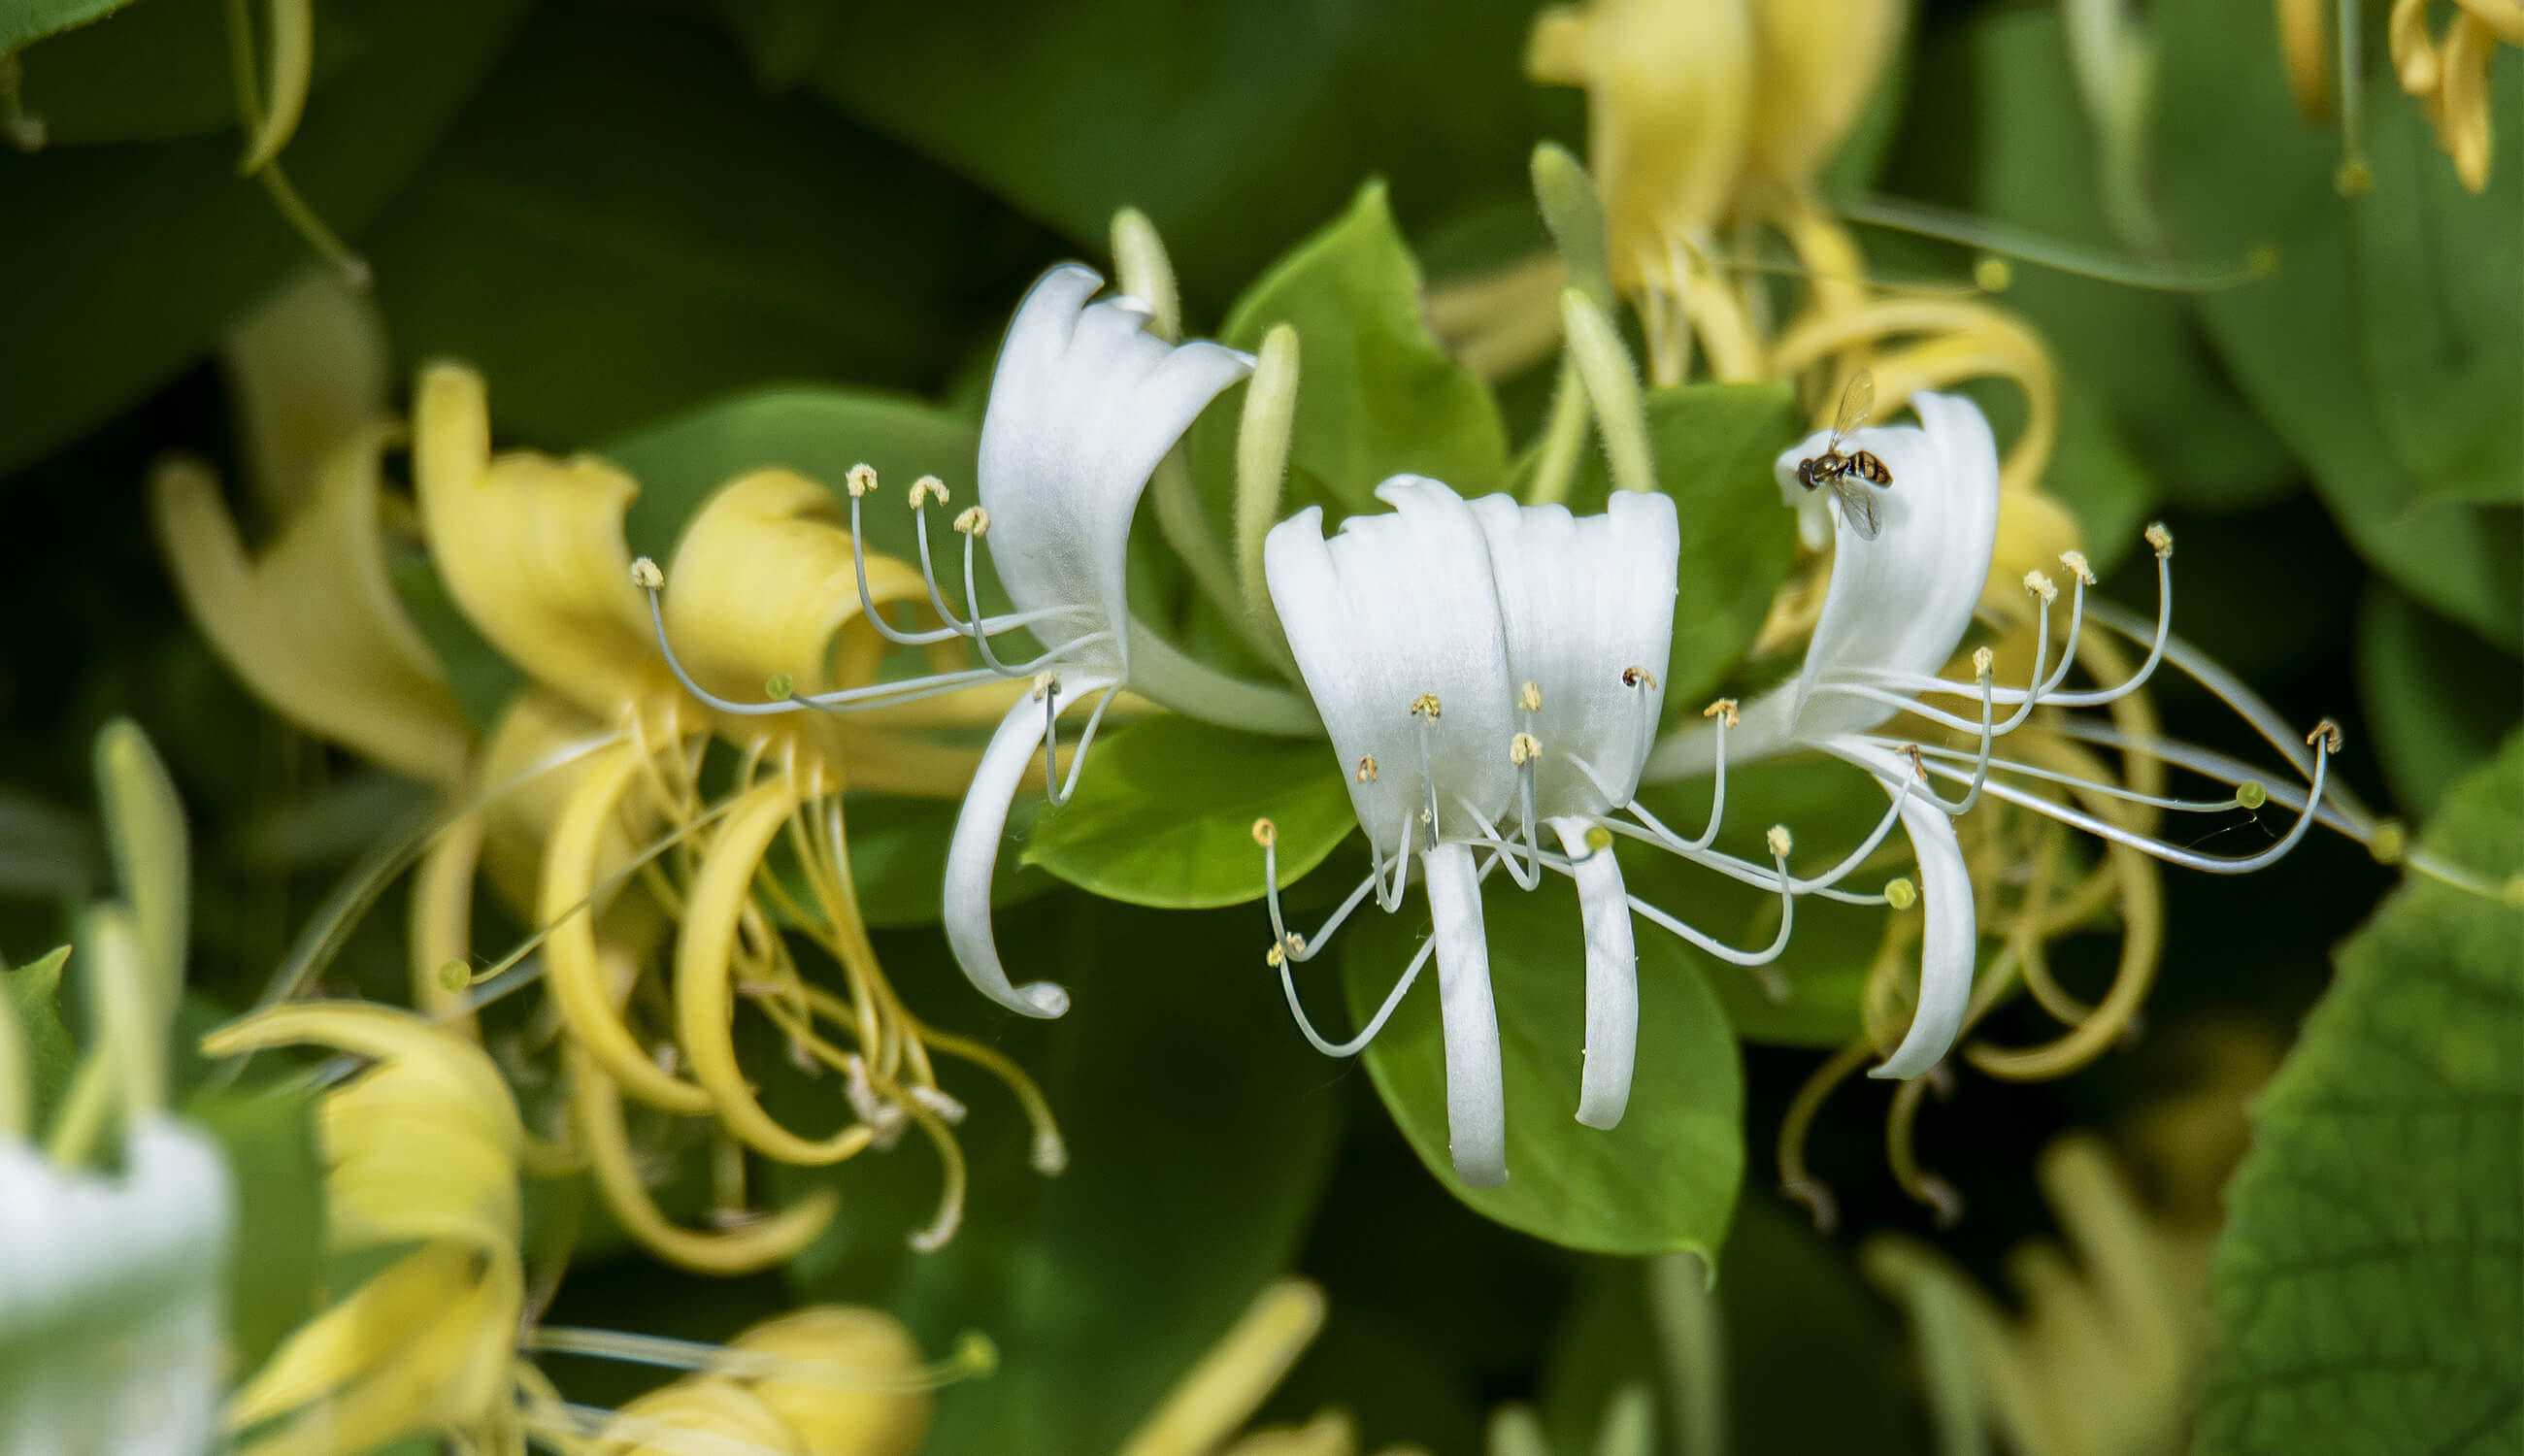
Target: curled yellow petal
[(2414, 52), (1232, 1380), (869, 1402), (704, 987), (531, 549), (307, 369), (313, 626), (2463, 121), (698, 1413), (441, 931), (2304, 51), (598, 1109)]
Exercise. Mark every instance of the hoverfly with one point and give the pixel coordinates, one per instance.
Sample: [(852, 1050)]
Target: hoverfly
[(1849, 475)]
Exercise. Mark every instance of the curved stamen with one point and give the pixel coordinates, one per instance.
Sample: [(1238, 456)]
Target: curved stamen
[(2163, 540), (1742, 871), (1779, 880), (2252, 792), (875, 695), (875, 617), (1078, 755), (1392, 998)]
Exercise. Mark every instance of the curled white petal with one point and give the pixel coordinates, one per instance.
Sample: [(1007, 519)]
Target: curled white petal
[(973, 856), (1612, 977), (1476, 1085), (1950, 937)]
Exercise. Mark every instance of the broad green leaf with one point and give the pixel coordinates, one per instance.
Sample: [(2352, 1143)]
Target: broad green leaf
[(2369, 1287), (2237, 169), (2438, 698), (1233, 125), (1714, 446), (899, 855), (34, 998), (1165, 810), (277, 1171), (678, 235), (1201, 1130), (160, 71), (23, 21), (147, 252), (1375, 395), (1664, 1179)]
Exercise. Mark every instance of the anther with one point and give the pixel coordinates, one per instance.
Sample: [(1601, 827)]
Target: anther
[(1366, 769), (2162, 539), (973, 521), (1524, 748), (1637, 677), (453, 974), (1426, 706), (948, 1109), (1046, 684), (2040, 586), (2250, 794), (2327, 733), (1265, 832), (1277, 956), (2078, 566), (925, 488), (1900, 893), (1984, 662), (2389, 842), (1780, 841), (1918, 766), (1723, 709), (778, 686), (1530, 697), (861, 479), (645, 576)]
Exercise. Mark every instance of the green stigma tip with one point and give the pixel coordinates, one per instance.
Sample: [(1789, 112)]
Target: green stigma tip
[(2251, 795), (455, 975), (1600, 839), (778, 684), (1901, 894), (2388, 844), (976, 1353)]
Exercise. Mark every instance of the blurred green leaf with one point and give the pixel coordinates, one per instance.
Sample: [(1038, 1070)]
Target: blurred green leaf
[(623, 225), (1997, 130), (2369, 1287), (482, 680), (1201, 1130), (782, 40), (146, 252), (2438, 698), (278, 1172), (1164, 815), (34, 998), (899, 855), (46, 850), (1375, 395), (1873, 136), (2237, 169), (1230, 123), (1714, 446), (1664, 1179), (160, 71), (23, 21)]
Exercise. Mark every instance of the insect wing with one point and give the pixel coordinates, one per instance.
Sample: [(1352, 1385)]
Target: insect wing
[(1857, 401), (1858, 507)]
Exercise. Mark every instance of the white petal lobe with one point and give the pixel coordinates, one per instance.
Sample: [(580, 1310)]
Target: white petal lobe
[(1476, 1085), (1612, 978)]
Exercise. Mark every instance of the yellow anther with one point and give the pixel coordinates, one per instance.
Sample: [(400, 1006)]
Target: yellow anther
[(1901, 894), (778, 684), (861, 479), (927, 488), (454, 974), (2250, 794), (1984, 662), (973, 521), (2162, 539), (1265, 832), (2388, 842), (1524, 748), (1277, 956), (2328, 734), (1780, 841), (1366, 769), (2078, 566), (1637, 677), (1044, 684), (1919, 764), (1530, 698), (1426, 706), (645, 576), (1993, 276), (1724, 709), (2041, 586), (1295, 943), (1598, 840)]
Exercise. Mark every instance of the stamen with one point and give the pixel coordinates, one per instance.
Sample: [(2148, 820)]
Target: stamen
[(1392, 998), (1724, 709), (1426, 706), (2040, 586), (1900, 893), (1366, 769), (1899, 1132), (927, 488), (1529, 696), (645, 576), (861, 479), (1794, 1178), (778, 686), (973, 520), (1522, 750), (2078, 567), (2161, 540)]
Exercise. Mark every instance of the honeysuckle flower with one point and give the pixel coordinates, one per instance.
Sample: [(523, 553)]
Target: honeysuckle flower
[(1488, 664), (1896, 613), (1085, 403), (1200, 1416), (2449, 74)]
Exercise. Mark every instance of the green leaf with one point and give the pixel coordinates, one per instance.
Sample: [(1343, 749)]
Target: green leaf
[(1200, 1132), (23, 21), (898, 857), (782, 40), (34, 993), (1215, 120), (277, 1173), (1375, 395), (1164, 815), (2369, 1285), (160, 71), (482, 680), (147, 252), (2438, 698), (2237, 169), (680, 235), (1664, 1179), (1714, 446)]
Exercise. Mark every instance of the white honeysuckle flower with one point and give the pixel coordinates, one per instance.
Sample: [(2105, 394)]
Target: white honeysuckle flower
[(1084, 404), (1485, 665), (113, 1296), (1895, 613)]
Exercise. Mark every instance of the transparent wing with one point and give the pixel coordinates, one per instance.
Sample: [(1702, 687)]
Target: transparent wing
[(1857, 505), (1857, 399)]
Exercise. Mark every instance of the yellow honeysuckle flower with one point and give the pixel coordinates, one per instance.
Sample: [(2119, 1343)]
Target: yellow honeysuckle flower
[(1816, 63), (2449, 74), (309, 369), (1201, 1415)]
